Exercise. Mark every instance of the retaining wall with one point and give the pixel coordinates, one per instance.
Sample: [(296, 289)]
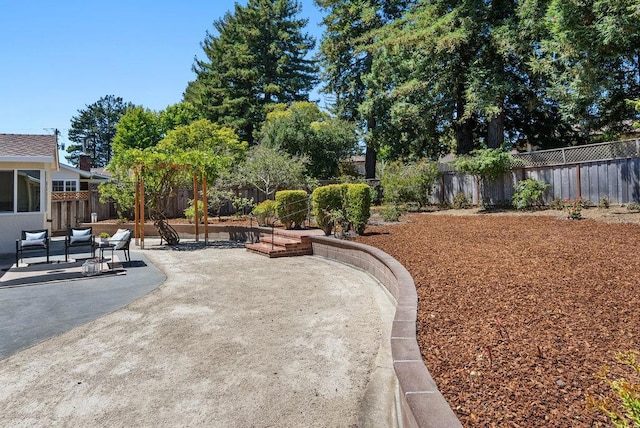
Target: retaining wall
[(420, 402)]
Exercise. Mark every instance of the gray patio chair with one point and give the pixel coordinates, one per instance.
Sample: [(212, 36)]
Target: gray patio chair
[(32, 240), (79, 237)]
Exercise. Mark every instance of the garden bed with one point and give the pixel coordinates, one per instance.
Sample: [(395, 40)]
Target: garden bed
[(518, 313)]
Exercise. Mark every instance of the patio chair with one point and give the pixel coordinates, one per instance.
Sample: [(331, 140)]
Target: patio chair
[(121, 240), (78, 237), (32, 240)]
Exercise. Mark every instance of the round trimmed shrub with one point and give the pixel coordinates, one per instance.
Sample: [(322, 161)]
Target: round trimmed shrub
[(325, 200), (265, 212)]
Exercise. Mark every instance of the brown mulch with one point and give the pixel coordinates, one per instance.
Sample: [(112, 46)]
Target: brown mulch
[(517, 313)]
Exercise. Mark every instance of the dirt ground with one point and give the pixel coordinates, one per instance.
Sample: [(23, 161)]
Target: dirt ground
[(517, 312)]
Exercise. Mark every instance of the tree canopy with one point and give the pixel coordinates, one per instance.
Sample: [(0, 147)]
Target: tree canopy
[(94, 128), (303, 130), (257, 56)]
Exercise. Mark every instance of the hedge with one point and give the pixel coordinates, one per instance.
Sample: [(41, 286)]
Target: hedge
[(358, 203), (326, 199), (292, 207)]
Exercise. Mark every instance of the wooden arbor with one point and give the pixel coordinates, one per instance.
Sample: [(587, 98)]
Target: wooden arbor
[(139, 230)]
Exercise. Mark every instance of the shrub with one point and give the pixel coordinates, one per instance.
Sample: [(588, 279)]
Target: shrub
[(325, 200), (390, 212), (633, 206), (460, 201), (358, 205), (292, 207), (604, 203), (557, 204), (265, 212), (573, 209), (411, 182), (625, 410), (528, 193), (190, 212)]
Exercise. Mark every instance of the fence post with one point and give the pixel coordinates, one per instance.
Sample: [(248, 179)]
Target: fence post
[(578, 180)]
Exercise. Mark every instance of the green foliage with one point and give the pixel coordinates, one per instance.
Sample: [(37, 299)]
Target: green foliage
[(292, 207), (257, 55), (557, 204), (269, 170), (303, 130), (348, 204), (326, 199), (604, 203), (573, 208), (528, 193), (265, 212), (624, 409), (242, 205), (633, 206), (120, 190), (358, 202), (95, 128), (390, 212), (190, 211), (460, 202), (201, 148), (487, 164), (410, 182), (137, 129)]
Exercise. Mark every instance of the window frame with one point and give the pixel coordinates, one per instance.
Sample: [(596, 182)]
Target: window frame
[(43, 192)]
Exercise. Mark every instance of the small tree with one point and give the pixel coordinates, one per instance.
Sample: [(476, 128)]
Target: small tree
[(411, 182), (269, 170)]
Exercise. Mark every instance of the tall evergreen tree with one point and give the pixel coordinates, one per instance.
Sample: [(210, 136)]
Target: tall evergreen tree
[(258, 56), (349, 24), (93, 129)]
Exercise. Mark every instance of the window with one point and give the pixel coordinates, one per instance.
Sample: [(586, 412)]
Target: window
[(21, 191), (64, 185), (6, 191), (28, 191)]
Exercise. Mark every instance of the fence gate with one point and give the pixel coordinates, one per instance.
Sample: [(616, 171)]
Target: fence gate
[(68, 209)]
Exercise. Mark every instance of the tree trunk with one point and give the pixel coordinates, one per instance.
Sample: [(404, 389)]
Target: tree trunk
[(495, 133), (371, 153)]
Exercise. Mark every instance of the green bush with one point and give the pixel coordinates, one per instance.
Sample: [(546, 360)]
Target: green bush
[(528, 193), (604, 203), (390, 212), (292, 207), (265, 212), (190, 212), (327, 199), (633, 206), (358, 206), (410, 182)]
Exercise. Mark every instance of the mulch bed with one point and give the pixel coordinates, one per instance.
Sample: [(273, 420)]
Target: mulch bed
[(517, 313)]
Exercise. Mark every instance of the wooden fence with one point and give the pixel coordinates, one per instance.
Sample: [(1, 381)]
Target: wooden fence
[(610, 170)]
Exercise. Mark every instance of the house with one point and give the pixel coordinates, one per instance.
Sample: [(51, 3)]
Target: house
[(75, 196), (27, 163)]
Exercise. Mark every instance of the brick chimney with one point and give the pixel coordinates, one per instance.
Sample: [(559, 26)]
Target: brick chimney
[(85, 162)]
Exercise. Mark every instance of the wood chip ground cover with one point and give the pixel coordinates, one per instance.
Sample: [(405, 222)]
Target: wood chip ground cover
[(517, 313)]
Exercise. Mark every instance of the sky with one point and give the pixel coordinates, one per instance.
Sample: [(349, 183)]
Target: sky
[(57, 57)]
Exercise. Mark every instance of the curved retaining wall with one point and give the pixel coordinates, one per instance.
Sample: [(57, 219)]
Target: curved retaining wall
[(420, 402)]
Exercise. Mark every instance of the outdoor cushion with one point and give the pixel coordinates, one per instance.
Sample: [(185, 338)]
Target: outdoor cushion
[(80, 235), (120, 238), (81, 232), (32, 242), (35, 237)]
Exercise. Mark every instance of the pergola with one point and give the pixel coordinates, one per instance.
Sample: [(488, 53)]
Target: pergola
[(139, 228)]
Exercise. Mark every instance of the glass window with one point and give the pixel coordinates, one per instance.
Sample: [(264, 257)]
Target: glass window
[(64, 185), (6, 191), (28, 191)]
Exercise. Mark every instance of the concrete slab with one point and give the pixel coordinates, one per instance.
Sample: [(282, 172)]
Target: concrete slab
[(230, 339)]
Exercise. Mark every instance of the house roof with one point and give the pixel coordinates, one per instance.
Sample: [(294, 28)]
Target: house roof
[(29, 148), (92, 176)]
